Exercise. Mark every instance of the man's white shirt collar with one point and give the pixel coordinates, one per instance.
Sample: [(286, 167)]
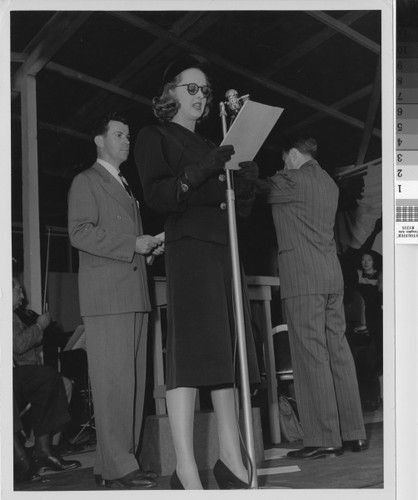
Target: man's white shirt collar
[(111, 169)]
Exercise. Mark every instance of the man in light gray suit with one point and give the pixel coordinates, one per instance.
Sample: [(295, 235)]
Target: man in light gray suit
[(104, 224), (304, 202)]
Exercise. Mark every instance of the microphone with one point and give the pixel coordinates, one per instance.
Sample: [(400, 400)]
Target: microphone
[(233, 102)]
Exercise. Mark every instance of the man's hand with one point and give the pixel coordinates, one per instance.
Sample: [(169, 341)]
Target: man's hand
[(248, 171), (44, 320), (160, 249), (147, 244)]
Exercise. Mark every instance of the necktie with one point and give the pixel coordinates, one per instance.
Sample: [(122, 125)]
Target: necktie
[(125, 184)]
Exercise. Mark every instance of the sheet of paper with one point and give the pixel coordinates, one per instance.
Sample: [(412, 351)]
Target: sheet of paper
[(150, 258), (249, 130), (77, 340)]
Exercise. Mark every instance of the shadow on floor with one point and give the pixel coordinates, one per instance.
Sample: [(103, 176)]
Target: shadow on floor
[(351, 470)]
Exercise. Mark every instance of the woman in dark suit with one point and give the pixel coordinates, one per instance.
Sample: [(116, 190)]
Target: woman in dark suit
[(182, 176)]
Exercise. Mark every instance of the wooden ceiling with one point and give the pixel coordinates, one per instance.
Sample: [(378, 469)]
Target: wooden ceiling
[(322, 67)]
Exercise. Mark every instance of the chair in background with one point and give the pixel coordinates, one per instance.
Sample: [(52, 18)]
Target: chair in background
[(278, 374), (284, 370), (74, 364)]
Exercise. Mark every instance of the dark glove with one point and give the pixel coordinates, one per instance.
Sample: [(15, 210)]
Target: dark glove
[(248, 171), (245, 179), (213, 162)]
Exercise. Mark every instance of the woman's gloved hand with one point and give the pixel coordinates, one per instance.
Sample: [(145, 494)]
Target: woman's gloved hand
[(213, 162), (248, 171), (245, 179)]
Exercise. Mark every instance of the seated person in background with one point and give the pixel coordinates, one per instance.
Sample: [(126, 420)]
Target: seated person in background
[(370, 359), (371, 289), (41, 386), (28, 340)]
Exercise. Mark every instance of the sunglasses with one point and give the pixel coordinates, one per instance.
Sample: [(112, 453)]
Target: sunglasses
[(193, 89)]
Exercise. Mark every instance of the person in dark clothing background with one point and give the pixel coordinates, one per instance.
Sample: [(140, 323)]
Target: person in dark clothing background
[(369, 360), (42, 387), (370, 286)]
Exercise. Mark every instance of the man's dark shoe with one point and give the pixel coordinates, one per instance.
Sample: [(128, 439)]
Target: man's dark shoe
[(99, 480), (357, 445), (23, 471), (315, 452), (65, 447), (135, 480), (148, 474), (54, 462)]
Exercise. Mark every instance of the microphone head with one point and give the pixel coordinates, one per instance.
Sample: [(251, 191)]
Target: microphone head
[(232, 101), (229, 94)]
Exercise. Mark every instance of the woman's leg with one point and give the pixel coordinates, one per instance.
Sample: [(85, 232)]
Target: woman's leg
[(181, 407), (227, 424)]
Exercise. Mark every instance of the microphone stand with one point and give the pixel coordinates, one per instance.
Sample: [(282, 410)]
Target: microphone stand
[(44, 302), (239, 317)]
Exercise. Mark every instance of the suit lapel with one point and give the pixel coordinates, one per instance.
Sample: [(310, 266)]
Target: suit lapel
[(116, 190)]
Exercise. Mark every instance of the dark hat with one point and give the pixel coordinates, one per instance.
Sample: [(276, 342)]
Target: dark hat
[(179, 65)]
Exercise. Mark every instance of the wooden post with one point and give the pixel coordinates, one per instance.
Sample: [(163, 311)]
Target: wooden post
[(371, 116), (30, 195)]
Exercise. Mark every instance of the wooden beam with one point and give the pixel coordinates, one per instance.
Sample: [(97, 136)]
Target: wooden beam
[(371, 116), (311, 44), (30, 195), (17, 227), (65, 130), (189, 26), (48, 42), (18, 57), (345, 30), (132, 74), (230, 66), (353, 170), (365, 91), (77, 75), (58, 129)]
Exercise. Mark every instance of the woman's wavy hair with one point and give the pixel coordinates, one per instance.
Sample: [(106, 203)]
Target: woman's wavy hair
[(377, 259), (165, 107)]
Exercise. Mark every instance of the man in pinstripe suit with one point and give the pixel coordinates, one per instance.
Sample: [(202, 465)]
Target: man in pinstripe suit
[(104, 224), (304, 202)]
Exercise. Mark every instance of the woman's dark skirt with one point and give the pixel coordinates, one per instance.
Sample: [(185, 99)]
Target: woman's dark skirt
[(201, 339)]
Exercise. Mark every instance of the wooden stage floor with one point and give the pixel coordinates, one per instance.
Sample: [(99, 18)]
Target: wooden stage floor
[(351, 470)]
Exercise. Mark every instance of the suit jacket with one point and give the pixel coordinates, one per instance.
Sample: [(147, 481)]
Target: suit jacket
[(27, 343), (103, 223), (304, 204), (161, 155)]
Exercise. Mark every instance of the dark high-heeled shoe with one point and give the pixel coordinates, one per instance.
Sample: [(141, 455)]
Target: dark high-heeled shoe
[(175, 483), (226, 479)]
